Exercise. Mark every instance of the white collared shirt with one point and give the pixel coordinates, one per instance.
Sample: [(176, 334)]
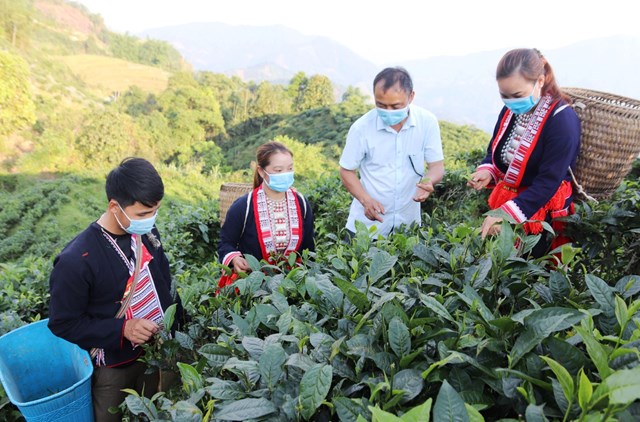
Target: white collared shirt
[(382, 156)]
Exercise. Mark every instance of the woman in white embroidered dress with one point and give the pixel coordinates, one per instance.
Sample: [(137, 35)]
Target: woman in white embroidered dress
[(270, 222)]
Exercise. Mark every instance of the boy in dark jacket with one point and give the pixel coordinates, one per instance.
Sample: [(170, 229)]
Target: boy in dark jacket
[(95, 302)]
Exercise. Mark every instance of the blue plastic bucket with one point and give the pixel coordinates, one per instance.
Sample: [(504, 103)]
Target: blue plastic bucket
[(48, 378)]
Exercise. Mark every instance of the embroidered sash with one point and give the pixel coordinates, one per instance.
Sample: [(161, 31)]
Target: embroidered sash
[(528, 141), (263, 224), (509, 188), (145, 303)]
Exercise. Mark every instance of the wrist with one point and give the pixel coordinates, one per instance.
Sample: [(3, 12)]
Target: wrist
[(122, 335), (364, 200)]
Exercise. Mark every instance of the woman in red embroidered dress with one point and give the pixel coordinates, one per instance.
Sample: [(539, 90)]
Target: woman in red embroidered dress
[(535, 141), (270, 222)]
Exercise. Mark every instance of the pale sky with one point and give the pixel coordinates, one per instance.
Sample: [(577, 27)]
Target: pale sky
[(395, 30)]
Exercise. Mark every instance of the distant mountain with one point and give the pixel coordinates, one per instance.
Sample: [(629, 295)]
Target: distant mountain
[(272, 53), (463, 89), (459, 89)]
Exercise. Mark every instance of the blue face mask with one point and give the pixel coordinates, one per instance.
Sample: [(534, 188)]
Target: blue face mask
[(521, 105), (393, 117), (139, 227), (280, 182)]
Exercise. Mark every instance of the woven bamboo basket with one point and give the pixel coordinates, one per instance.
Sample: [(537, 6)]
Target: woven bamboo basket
[(610, 141), (229, 192)]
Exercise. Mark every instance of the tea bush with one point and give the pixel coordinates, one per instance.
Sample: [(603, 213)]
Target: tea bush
[(430, 323)]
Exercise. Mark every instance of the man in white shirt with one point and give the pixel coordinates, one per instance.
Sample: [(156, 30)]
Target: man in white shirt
[(389, 146)]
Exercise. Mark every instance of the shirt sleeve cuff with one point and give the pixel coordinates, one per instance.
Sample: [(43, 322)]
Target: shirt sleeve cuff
[(511, 208), (229, 257)]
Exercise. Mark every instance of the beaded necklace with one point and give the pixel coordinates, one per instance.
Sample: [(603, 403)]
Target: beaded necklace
[(278, 217), (513, 140)]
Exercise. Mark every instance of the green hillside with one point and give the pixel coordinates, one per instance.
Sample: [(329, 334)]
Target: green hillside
[(109, 74), (201, 129)]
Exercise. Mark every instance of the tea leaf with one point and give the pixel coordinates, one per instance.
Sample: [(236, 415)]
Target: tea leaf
[(550, 320), (271, 363), (245, 409), (535, 413), (169, 316), (565, 380), (435, 306), (381, 263), (409, 381), (299, 360), (474, 414), (191, 379), (399, 337), (621, 311), (254, 264), (215, 354), (566, 354), (628, 286), (314, 387), (622, 387), (449, 405), (419, 413), (379, 415), (471, 297), (585, 391), (355, 296), (558, 285), (348, 409), (186, 411), (596, 352), (254, 346), (139, 405), (223, 389), (602, 293)]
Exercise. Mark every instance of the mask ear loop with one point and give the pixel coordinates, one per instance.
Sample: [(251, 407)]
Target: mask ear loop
[(264, 179), (118, 220)]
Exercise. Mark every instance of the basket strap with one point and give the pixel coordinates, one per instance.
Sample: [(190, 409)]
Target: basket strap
[(559, 109), (246, 213), (581, 190), (304, 205)]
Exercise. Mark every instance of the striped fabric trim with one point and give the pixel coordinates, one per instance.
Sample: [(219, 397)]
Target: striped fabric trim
[(528, 141), (229, 257), (145, 302), (511, 208), (495, 173)]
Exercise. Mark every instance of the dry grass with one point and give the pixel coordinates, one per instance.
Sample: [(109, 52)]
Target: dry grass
[(109, 74)]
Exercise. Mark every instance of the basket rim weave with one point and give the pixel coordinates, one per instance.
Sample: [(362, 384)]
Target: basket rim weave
[(610, 140), (229, 192)]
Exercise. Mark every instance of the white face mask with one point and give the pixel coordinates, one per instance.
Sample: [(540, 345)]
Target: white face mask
[(393, 117), (139, 227), (522, 105), (280, 182)]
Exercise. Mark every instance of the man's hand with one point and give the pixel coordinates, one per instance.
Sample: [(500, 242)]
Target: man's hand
[(139, 331), (373, 209), (240, 264), (424, 189)]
